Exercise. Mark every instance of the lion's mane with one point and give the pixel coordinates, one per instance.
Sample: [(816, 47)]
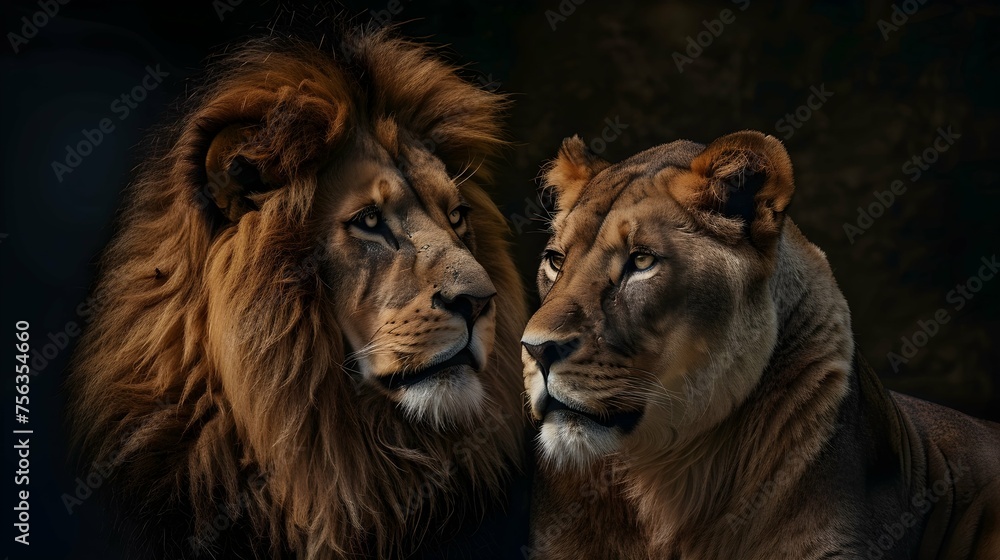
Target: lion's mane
[(298, 459)]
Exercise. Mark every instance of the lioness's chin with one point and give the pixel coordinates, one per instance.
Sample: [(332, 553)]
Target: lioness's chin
[(445, 400), (571, 441)]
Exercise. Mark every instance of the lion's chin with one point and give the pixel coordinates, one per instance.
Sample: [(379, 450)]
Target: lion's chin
[(444, 400), (569, 441)]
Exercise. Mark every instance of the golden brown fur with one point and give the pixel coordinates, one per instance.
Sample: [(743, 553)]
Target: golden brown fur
[(220, 374), (693, 351)]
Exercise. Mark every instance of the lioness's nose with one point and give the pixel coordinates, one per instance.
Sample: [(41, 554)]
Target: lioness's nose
[(467, 306), (550, 352)]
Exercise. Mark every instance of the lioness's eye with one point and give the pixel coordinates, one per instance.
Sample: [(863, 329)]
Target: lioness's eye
[(555, 260), (643, 261)]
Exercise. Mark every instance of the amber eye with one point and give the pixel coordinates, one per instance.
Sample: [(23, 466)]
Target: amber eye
[(369, 218), (643, 261), (457, 216), (555, 260)]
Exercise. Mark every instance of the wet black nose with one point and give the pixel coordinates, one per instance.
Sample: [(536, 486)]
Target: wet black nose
[(550, 352), (467, 306)]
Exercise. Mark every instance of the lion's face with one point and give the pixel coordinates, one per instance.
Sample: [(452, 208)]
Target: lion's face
[(414, 304), (376, 229), (655, 314)]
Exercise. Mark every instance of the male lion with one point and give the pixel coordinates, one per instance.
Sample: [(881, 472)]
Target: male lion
[(308, 336), (693, 368)]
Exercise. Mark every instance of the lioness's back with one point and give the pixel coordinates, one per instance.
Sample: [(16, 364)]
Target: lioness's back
[(952, 431), (962, 457)]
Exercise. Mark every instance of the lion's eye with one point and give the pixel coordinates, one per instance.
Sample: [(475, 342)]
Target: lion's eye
[(457, 216), (642, 261), (369, 218), (369, 224)]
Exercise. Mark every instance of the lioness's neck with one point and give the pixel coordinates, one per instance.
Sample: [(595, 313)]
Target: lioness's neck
[(716, 478)]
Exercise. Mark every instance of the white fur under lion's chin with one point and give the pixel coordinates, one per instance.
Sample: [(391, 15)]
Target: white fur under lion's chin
[(444, 401), (568, 441)]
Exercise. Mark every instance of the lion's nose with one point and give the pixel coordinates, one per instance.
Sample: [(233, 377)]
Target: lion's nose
[(467, 306), (550, 352)]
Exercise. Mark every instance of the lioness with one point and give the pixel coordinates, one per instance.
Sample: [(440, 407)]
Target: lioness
[(699, 392)]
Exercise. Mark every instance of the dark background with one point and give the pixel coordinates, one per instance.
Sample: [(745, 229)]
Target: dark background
[(605, 60)]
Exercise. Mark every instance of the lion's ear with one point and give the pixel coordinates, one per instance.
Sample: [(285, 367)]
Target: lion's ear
[(232, 179), (263, 133), (745, 175), (572, 169)]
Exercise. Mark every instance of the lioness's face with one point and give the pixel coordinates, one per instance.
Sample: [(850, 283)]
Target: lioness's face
[(415, 305), (649, 323)]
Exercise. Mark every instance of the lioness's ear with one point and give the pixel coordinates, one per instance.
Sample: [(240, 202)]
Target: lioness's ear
[(232, 179), (745, 175), (573, 168)]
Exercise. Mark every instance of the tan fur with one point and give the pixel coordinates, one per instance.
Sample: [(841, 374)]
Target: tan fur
[(216, 375), (572, 170), (762, 433)]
